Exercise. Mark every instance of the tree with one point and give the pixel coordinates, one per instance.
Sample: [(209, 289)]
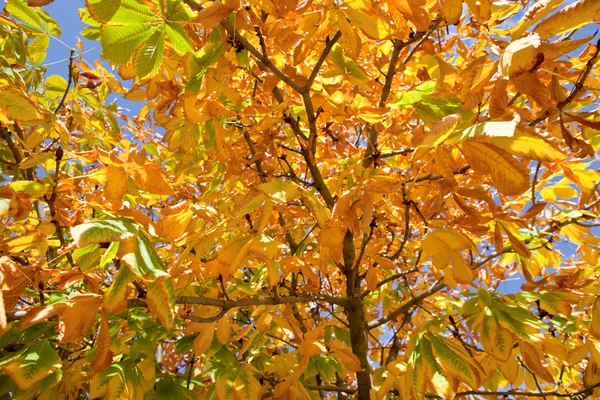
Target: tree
[(313, 200)]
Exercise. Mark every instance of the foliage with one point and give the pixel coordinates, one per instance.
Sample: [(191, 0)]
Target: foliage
[(313, 200)]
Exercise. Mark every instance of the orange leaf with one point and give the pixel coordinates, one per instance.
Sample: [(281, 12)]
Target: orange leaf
[(103, 356)]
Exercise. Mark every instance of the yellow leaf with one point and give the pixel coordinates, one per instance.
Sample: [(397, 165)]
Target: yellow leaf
[(160, 300), (516, 244), (461, 271), (527, 146), (116, 184), (412, 10), (520, 56), (372, 25), (577, 354), (212, 15), (223, 330), (350, 40), (440, 131), (595, 325), (173, 226), (499, 99), (18, 105), (347, 359), (571, 17), (451, 11), (205, 338), (152, 179), (75, 316), (532, 358), (509, 176), (557, 49), (530, 84), (510, 369), (537, 11), (103, 356)]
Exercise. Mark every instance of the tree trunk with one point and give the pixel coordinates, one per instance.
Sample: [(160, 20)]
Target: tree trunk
[(355, 312)]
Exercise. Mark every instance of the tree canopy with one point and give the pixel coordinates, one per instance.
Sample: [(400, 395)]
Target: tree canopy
[(367, 199)]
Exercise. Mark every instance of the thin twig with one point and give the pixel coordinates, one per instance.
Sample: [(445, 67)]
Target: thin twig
[(62, 101)]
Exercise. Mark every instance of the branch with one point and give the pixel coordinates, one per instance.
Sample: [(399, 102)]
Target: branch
[(328, 388), (255, 52), (261, 173), (406, 227), (582, 78), (330, 43), (397, 153), (62, 101), (405, 307), (583, 393), (414, 50), (433, 177)]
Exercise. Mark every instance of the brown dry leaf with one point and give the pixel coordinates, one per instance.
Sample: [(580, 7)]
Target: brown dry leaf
[(38, 3)]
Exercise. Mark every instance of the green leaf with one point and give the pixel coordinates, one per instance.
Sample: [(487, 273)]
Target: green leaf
[(32, 365), (34, 189), (142, 260), (108, 255), (167, 388), (161, 301), (20, 10), (453, 363), (177, 10), (102, 231), (180, 41), (410, 97), (86, 257), (120, 43), (114, 297), (125, 12), (150, 55)]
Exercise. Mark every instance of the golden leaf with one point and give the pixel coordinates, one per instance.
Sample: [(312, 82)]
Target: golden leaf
[(116, 184), (509, 176), (212, 15), (537, 11), (372, 25), (223, 330), (412, 10), (103, 356), (205, 338), (520, 56), (350, 40), (532, 357), (571, 17), (527, 146), (451, 11)]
